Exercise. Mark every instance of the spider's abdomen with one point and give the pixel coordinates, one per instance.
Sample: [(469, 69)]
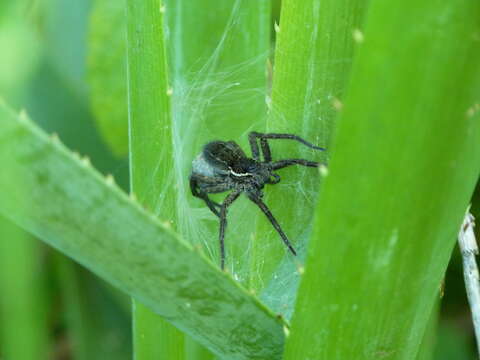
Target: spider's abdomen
[(202, 166), (222, 165), (219, 158)]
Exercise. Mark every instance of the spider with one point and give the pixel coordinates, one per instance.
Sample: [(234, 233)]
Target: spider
[(223, 166)]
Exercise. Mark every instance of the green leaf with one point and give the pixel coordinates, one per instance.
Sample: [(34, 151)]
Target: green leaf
[(23, 300), (23, 279), (405, 162), (151, 155), (95, 327), (72, 208), (107, 72), (313, 57)]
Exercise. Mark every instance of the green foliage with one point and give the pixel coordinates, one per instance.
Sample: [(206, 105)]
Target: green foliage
[(97, 328), (23, 295), (312, 64), (402, 78), (21, 51), (151, 158), (396, 194), (92, 221)]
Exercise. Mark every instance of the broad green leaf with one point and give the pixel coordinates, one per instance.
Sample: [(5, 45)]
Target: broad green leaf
[(72, 208), (313, 57), (404, 165), (107, 72), (151, 156)]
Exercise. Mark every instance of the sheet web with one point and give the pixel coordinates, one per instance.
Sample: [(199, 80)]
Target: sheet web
[(221, 93)]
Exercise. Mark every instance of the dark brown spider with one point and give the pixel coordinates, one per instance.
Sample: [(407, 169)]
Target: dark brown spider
[(223, 166)]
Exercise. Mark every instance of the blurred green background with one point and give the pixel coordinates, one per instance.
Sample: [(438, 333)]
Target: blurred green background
[(62, 311)]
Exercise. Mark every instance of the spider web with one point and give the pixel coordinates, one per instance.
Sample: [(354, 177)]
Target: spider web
[(211, 100)]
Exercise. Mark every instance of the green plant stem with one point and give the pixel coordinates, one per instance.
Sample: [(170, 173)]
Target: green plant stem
[(313, 57), (405, 162), (23, 309), (93, 327), (77, 321), (151, 159)]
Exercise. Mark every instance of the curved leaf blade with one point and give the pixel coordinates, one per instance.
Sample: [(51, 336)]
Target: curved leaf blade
[(72, 208), (404, 166)]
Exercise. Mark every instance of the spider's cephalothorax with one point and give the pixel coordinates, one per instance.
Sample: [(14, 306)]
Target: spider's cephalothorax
[(223, 166)]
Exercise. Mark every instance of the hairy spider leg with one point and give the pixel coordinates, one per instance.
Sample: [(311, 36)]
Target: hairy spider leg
[(202, 195), (254, 146), (252, 139), (267, 155), (223, 223), (280, 164), (272, 220)]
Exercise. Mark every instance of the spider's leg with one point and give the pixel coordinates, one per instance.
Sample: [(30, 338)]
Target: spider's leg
[(202, 195), (265, 147), (252, 138), (211, 204), (267, 154), (223, 223), (272, 220), (287, 162)]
